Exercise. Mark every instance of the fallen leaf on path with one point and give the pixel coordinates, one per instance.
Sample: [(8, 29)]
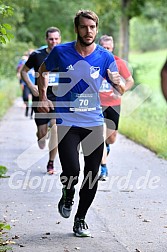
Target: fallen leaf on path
[(16, 237), (146, 220), (10, 242), (14, 221), (127, 190), (21, 246)]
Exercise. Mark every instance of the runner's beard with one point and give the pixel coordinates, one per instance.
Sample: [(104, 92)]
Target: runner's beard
[(82, 42)]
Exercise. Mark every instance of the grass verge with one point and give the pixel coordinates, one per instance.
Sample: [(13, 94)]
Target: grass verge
[(146, 123), (9, 90)]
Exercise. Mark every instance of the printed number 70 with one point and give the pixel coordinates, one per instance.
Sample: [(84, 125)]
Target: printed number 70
[(83, 102)]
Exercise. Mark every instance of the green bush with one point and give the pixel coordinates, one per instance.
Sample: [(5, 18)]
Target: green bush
[(9, 90), (11, 53), (147, 36)]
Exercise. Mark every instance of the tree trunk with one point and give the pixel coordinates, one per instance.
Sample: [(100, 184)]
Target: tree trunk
[(124, 31)]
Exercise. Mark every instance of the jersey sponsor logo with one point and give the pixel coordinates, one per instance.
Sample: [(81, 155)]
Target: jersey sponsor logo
[(94, 72), (70, 67)]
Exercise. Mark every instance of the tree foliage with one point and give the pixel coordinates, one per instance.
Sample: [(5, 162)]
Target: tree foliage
[(109, 14), (32, 17), (5, 11), (154, 39), (40, 15), (156, 9)]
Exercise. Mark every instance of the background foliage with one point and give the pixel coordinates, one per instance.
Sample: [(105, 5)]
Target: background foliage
[(30, 18), (147, 123)]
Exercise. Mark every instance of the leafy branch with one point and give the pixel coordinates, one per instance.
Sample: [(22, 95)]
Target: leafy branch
[(5, 35), (3, 242), (3, 171)]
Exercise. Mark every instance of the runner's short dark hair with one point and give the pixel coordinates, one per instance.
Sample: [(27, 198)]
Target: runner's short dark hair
[(87, 14), (52, 29)]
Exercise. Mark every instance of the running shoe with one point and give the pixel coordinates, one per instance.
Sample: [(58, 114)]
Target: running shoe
[(80, 228), (50, 168), (41, 144), (66, 202), (104, 173)]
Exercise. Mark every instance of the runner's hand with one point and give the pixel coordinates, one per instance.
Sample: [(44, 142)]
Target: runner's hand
[(45, 106), (114, 76), (118, 84), (34, 90)]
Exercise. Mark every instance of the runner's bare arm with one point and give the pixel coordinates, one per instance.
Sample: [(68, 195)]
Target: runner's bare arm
[(26, 79), (129, 82), (44, 104), (119, 85)]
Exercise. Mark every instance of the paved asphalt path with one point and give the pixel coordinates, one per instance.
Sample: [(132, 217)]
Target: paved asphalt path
[(129, 213)]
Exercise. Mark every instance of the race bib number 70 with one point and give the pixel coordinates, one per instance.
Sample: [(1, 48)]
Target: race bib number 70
[(83, 102)]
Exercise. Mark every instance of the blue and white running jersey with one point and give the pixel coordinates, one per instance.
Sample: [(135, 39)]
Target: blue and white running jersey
[(80, 78)]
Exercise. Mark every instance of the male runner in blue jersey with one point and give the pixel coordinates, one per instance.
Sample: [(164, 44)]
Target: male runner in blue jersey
[(82, 65)]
